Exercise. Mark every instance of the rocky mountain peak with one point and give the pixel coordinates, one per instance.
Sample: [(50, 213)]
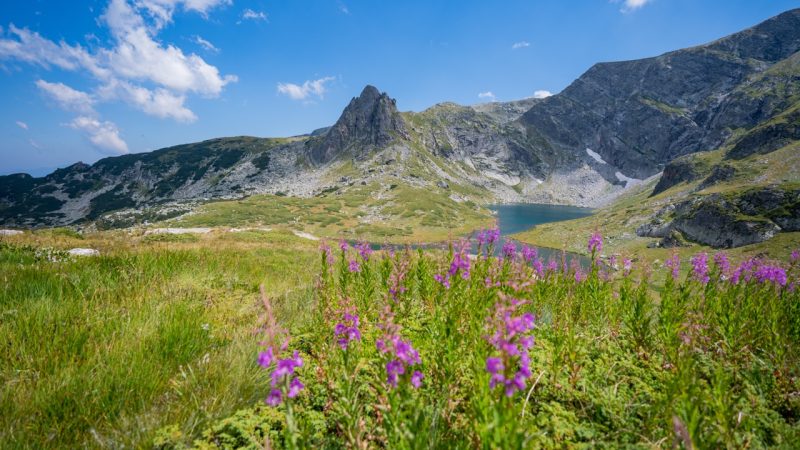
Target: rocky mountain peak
[(370, 121)]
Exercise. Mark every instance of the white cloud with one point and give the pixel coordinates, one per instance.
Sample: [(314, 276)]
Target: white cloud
[(633, 5), (488, 95), (67, 97), (162, 10), (22, 125), (249, 14), (343, 8), (159, 102), (32, 48), (308, 88), (542, 94), (34, 144), (138, 56), (520, 44), (104, 135), (155, 77), (205, 44)]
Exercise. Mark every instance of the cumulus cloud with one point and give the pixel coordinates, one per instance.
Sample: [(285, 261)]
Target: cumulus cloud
[(633, 5), (205, 44), (520, 44), (103, 135), (133, 66), (487, 95), (155, 102), (138, 56), (542, 94), (307, 89), (22, 125), (67, 97), (162, 10), (249, 14)]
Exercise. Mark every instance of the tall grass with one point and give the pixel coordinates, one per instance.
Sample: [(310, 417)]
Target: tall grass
[(104, 351)]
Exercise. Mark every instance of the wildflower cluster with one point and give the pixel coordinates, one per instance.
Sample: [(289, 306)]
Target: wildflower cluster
[(700, 268), (284, 381), (460, 264), (401, 354), (510, 334), (595, 245), (674, 264), (347, 330)]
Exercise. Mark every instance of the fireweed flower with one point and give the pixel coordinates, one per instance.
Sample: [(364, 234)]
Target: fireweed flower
[(282, 370), (347, 330), (510, 335), (529, 254), (509, 250), (595, 243), (627, 265), (795, 255), (700, 267), (773, 274), (459, 264), (343, 245), (722, 263), (674, 263), (354, 266), (744, 271), (401, 354), (364, 250)]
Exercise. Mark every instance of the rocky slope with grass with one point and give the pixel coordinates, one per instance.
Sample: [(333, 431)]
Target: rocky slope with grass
[(615, 127)]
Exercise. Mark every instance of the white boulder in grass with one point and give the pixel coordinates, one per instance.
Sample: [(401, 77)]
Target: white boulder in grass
[(10, 232), (83, 252)]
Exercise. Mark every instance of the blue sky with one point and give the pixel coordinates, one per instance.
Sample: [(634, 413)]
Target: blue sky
[(82, 80)]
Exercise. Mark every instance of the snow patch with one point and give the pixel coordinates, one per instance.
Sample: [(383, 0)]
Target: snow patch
[(596, 156), (10, 232), (627, 180)]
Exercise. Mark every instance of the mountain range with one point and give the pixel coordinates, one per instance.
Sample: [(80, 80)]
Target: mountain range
[(685, 126)]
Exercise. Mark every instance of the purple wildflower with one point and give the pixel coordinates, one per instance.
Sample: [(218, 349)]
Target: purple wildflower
[(347, 330), (700, 267), (364, 250), (595, 243), (722, 263), (510, 336), (295, 386), (627, 265), (343, 245), (509, 250), (354, 266), (266, 357), (795, 255), (529, 254), (774, 274), (416, 379), (674, 263), (275, 397)]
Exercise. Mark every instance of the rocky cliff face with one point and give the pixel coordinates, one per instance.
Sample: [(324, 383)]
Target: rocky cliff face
[(371, 121), (639, 115)]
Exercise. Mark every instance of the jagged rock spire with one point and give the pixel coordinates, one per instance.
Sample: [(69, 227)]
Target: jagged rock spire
[(370, 121)]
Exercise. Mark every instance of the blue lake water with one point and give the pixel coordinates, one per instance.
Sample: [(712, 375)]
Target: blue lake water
[(515, 218)]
